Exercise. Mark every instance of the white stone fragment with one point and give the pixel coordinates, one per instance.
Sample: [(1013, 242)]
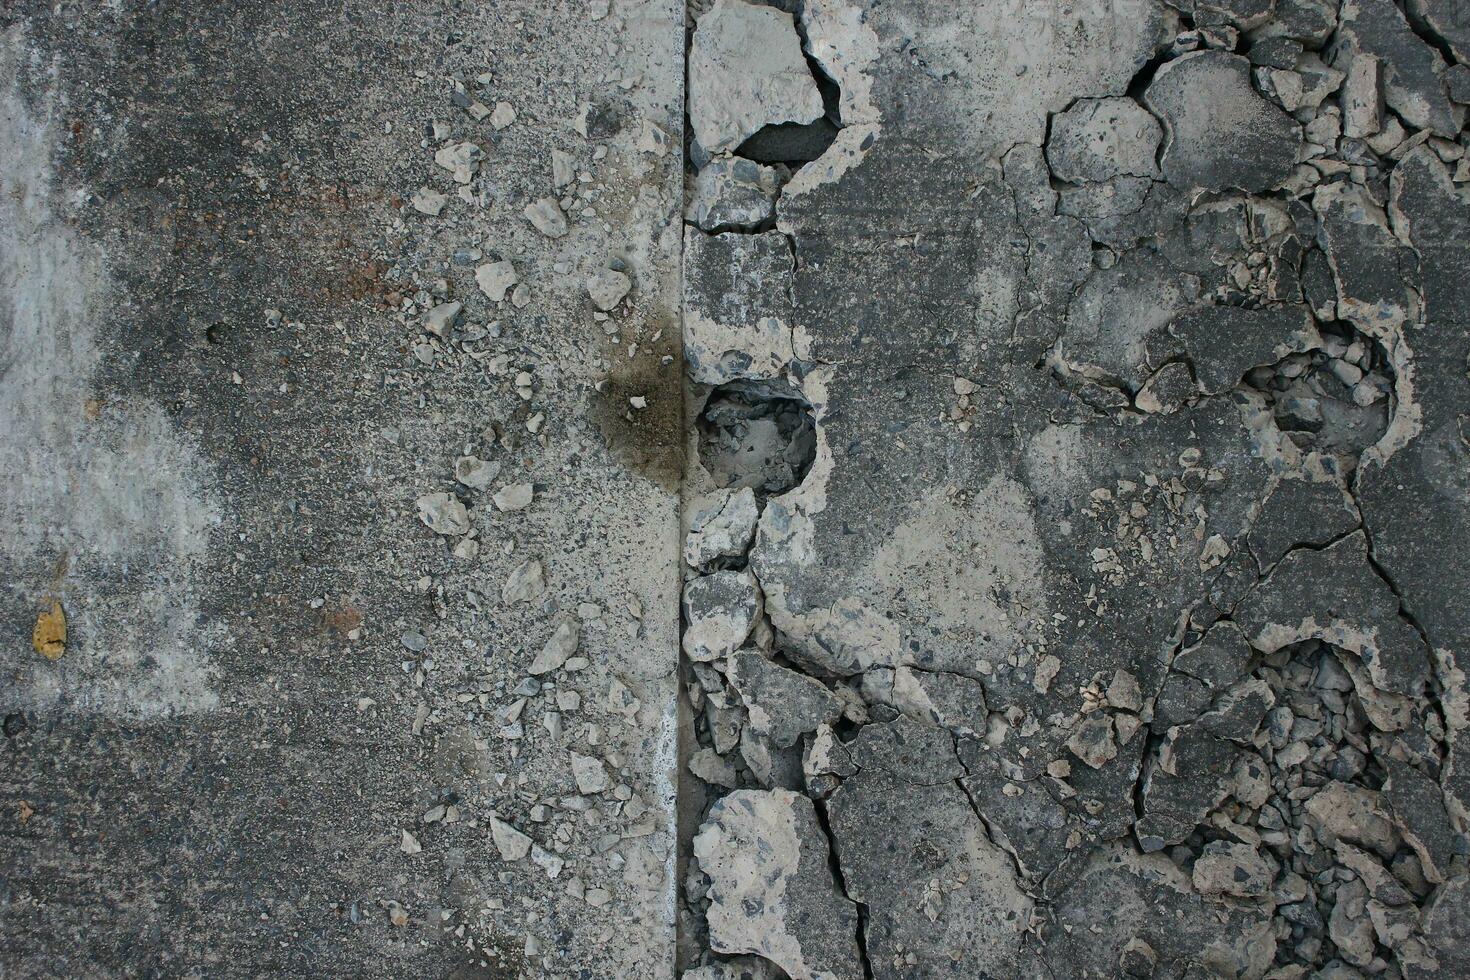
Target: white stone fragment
[(590, 774), (563, 168), (558, 650), (1362, 97), (475, 473), (526, 582), (607, 288), (440, 319), (496, 278), (546, 216), (516, 496), (442, 513), (428, 201), (720, 611), (723, 527), (511, 843), (462, 160)]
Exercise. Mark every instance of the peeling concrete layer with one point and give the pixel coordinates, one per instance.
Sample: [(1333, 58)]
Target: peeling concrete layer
[(1123, 341)]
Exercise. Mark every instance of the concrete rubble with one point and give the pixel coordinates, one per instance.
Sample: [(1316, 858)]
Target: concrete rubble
[(736, 490)]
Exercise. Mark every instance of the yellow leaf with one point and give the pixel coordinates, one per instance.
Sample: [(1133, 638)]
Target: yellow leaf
[(49, 636)]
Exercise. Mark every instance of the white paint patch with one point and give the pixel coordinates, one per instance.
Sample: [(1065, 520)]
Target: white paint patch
[(99, 504)]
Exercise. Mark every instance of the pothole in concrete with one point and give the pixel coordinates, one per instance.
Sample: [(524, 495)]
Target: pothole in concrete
[(1335, 399), (757, 434), (792, 144), (797, 144)]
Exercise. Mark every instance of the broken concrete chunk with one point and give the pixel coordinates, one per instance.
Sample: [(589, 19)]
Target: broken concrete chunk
[(732, 193), (1124, 692), (558, 649), (739, 968), (1219, 132), (1335, 596), (1348, 926), (723, 527), (1181, 700), (475, 473), (1446, 21), (442, 513), (1117, 313), (950, 701), (1238, 712), (1275, 52), (1024, 818), (941, 897), (782, 704), (590, 774), (714, 769), (1189, 780), (1233, 869), (546, 216), (1309, 22), (1446, 924), (1381, 883), (1413, 85), (1343, 811), (462, 160), (1303, 87), (773, 767), (907, 750), (440, 319), (1167, 390), (1362, 97), (1112, 901), (1365, 258), (510, 842), (1224, 342), (496, 278), (428, 201), (738, 319), (1093, 740), (1457, 81), (720, 610), (1418, 810), (1300, 512), (771, 888), (513, 497), (747, 71), (607, 287), (1219, 659), (1098, 139), (826, 756), (527, 582)]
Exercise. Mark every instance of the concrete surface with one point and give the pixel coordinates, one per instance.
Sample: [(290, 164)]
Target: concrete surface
[(756, 489)]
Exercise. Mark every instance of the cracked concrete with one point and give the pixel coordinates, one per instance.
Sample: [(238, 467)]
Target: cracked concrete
[(745, 488), (1107, 389)]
